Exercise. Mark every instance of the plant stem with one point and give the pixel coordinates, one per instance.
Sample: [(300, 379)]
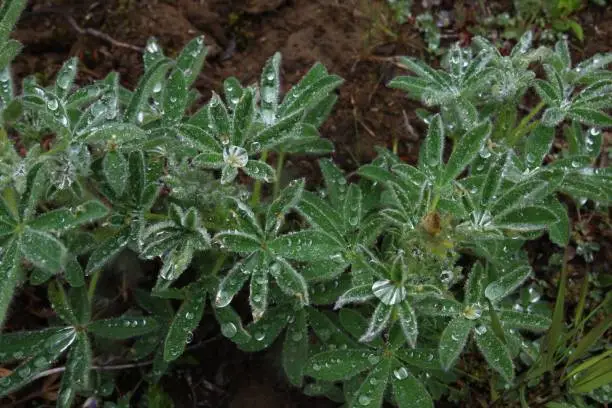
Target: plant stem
[(256, 197), (93, 284), (280, 161), (524, 126)]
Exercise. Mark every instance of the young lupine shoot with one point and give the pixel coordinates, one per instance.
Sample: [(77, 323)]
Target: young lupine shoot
[(134, 171)]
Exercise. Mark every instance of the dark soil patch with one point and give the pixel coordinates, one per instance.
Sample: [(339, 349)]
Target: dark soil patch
[(353, 38)]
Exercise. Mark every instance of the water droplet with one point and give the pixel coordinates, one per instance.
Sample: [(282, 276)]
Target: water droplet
[(259, 336), (472, 312), (189, 316), (52, 104), (297, 336), (401, 373), (373, 359), (235, 156), (229, 330), (364, 400), (480, 330)]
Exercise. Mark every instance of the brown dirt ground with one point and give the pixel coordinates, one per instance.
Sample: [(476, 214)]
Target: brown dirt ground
[(353, 38)]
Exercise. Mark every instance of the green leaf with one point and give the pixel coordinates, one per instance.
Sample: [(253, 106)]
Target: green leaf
[(151, 77), (107, 250), (125, 327), (115, 132), (409, 392), (43, 250), (493, 179), (115, 170), (9, 14), (408, 322), (520, 195), (433, 149), (260, 171), (10, 264), (548, 92), (45, 356), (495, 352), (589, 340), (185, 322), (507, 283), (335, 182), (356, 294), (24, 344), (475, 284), (372, 389), (290, 281), (270, 89), (591, 117), (439, 307), (532, 218), (559, 232), (465, 150), (219, 118), (243, 117), (8, 51), (191, 60), (453, 340), (200, 138), (80, 362), (288, 199), (64, 218), (378, 322), (340, 364), (258, 295), (538, 145), (65, 78), (553, 116), (60, 303), (234, 280), (306, 245), (320, 214), (295, 349), (528, 321), (175, 98), (231, 325), (352, 207), (280, 131), (238, 241)]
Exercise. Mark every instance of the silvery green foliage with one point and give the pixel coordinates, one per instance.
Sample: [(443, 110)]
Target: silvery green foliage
[(135, 171)]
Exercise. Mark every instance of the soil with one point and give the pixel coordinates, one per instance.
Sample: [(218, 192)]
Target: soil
[(355, 39)]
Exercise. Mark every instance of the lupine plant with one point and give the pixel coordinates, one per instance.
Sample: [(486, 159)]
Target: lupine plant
[(379, 282)]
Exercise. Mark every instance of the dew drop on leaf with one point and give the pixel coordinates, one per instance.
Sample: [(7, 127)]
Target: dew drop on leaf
[(401, 373), (229, 330), (364, 400)]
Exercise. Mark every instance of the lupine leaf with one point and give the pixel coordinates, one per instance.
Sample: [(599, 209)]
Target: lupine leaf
[(185, 322), (258, 295), (307, 245), (270, 88), (23, 344), (526, 219), (453, 340), (125, 327), (107, 250), (64, 218), (527, 321), (175, 98), (65, 78), (378, 322), (465, 151), (80, 361), (243, 117), (290, 281), (191, 59), (260, 171), (439, 307), (340, 364), (408, 322), (335, 182), (151, 77), (238, 241), (295, 349), (476, 284), (42, 249), (495, 352), (234, 280), (352, 206), (10, 262), (356, 294), (409, 392), (9, 14), (372, 389), (60, 303), (434, 143), (266, 329), (538, 145), (320, 214), (48, 353), (288, 198), (274, 135), (507, 283)]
